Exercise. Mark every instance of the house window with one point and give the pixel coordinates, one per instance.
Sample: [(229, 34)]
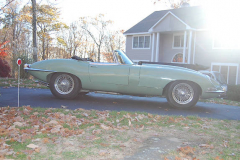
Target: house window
[(229, 71), (141, 42), (178, 41), (135, 42), (178, 58)]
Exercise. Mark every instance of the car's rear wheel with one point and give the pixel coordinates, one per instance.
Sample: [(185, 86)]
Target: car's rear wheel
[(182, 94), (63, 85)]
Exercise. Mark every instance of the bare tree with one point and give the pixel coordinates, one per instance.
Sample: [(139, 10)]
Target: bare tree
[(115, 40), (96, 28), (34, 30), (173, 3)]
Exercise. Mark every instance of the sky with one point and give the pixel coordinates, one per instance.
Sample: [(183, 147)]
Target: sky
[(127, 13), (124, 13)]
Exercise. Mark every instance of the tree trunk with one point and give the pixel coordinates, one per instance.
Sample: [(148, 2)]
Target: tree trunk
[(43, 48), (14, 46), (34, 25), (99, 53), (47, 49)]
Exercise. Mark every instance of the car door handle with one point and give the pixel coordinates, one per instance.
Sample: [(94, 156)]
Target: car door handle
[(93, 66)]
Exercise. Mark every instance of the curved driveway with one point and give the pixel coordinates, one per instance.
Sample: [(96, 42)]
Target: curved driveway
[(97, 101)]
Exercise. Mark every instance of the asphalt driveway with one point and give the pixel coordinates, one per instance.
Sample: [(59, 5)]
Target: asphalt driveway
[(97, 101)]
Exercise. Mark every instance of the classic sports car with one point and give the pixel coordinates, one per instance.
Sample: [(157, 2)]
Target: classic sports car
[(68, 77)]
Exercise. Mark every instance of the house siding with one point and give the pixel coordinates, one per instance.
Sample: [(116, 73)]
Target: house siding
[(206, 55), (137, 54), (169, 23), (190, 20), (204, 52), (166, 50)]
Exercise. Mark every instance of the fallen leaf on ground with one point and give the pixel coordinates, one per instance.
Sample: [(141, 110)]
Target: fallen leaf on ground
[(45, 140), (85, 114), (104, 144), (28, 108), (28, 151), (32, 146), (103, 126), (129, 122), (122, 145), (3, 131), (218, 158), (187, 150), (97, 131), (150, 115), (19, 124), (142, 127), (206, 146), (137, 140), (103, 153), (37, 149)]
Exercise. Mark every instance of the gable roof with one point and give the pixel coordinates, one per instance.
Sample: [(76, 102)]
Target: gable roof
[(192, 16)]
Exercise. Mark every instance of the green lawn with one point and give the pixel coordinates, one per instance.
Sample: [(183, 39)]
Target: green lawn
[(38, 133)]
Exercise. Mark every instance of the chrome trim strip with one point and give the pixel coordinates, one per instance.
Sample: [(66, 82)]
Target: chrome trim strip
[(102, 64), (219, 91), (41, 70)]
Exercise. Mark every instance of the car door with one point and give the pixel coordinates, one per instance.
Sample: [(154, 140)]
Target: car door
[(109, 73)]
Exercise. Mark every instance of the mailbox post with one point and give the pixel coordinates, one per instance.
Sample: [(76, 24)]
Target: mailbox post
[(19, 62)]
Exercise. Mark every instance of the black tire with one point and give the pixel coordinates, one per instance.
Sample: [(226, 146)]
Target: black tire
[(64, 86), (183, 94), (83, 93)]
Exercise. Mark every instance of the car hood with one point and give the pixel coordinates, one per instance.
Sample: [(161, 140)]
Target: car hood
[(167, 73), (176, 68)]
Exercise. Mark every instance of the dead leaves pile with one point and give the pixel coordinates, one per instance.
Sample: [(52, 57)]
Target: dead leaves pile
[(23, 125), (15, 128)]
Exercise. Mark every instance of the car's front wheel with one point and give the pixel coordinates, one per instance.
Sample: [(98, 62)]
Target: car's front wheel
[(63, 85), (182, 94)]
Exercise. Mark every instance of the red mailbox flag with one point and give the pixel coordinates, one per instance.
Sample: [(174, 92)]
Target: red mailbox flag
[(19, 61)]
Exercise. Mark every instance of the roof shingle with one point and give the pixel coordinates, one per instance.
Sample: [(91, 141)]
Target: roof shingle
[(193, 16)]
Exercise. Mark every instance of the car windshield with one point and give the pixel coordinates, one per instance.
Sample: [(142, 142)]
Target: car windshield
[(220, 78), (122, 57)]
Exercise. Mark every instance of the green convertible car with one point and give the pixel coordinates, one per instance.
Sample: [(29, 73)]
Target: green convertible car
[(68, 77)]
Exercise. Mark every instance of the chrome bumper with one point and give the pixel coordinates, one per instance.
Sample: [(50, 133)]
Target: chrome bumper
[(27, 68)]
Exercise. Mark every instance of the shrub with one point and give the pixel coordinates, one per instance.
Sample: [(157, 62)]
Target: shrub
[(4, 68), (233, 92)]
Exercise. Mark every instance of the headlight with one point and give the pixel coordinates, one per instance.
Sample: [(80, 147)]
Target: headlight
[(216, 86), (224, 88), (214, 82)]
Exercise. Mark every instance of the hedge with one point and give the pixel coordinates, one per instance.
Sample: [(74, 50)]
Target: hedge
[(233, 92)]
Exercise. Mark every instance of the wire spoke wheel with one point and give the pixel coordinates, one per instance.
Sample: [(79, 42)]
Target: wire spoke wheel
[(64, 84), (183, 93)]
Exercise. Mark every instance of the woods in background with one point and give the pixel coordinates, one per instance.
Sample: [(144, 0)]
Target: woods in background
[(87, 37)]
